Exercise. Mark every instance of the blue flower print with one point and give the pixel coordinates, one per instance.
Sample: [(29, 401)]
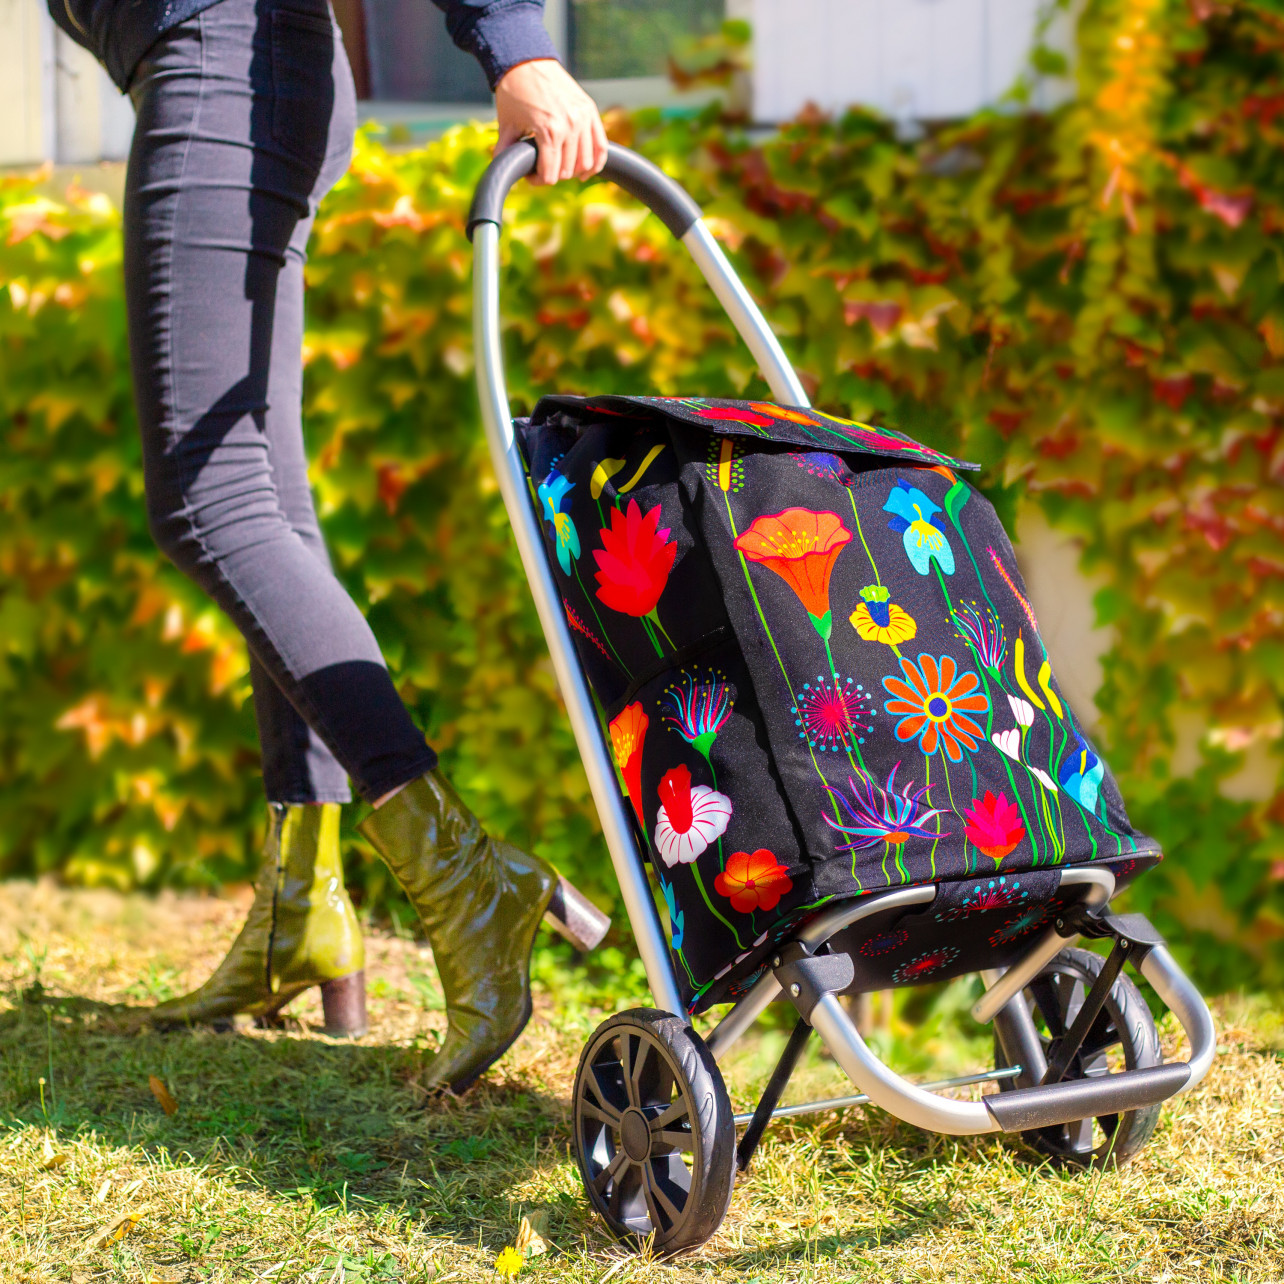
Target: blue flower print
[(922, 531), (677, 920), (551, 494), (1081, 775)]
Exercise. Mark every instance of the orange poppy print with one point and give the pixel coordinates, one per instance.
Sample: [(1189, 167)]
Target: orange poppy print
[(753, 880), (628, 731), (933, 704), (801, 547)]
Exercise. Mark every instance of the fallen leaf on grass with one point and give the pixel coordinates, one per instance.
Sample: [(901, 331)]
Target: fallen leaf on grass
[(509, 1262), (51, 1159), (103, 1191), (162, 1094), (131, 1188), (530, 1242), (114, 1231)]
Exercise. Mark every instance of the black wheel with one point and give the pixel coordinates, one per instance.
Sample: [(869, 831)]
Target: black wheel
[(1122, 1037), (654, 1133)]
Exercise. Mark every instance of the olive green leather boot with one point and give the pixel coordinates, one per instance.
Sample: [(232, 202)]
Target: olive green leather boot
[(301, 931), (480, 901)]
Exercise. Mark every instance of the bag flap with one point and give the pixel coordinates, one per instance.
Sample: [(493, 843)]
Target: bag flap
[(793, 425)]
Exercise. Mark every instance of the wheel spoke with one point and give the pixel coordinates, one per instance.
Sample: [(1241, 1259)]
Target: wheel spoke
[(626, 1066), (1079, 1135), (675, 1138), (645, 1054), (594, 1085), (1103, 1036), (630, 1177), (610, 1171), (606, 1115), (656, 1195), (1049, 1004), (678, 1110), (1070, 994), (652, 1208)]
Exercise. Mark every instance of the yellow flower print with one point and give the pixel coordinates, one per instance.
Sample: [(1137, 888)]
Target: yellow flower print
[(878, 620)]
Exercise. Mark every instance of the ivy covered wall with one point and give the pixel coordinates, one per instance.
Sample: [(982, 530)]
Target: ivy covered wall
[(1088, 302)]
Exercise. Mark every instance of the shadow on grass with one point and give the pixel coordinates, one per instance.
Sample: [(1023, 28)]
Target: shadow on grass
[(301, 1117)]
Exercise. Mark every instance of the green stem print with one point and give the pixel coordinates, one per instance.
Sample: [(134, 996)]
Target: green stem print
[(606, 637), (647, 628), (928, 783), (713, 909), (873, 566), (654, 618), (982, 668)]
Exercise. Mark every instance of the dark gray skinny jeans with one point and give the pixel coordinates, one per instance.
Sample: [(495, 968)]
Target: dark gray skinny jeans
[(246, 115)]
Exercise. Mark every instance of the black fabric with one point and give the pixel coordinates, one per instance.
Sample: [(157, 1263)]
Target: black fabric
[(881, 711), (246, 115)]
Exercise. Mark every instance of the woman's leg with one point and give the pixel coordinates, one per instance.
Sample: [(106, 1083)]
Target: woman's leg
[(245, 117), (217, 218)]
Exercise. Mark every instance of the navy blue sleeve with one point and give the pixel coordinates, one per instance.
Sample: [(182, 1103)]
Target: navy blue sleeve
[(498, 33)]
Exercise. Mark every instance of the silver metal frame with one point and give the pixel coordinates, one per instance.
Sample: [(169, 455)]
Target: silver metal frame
[(918, 1104), (1101, 887)]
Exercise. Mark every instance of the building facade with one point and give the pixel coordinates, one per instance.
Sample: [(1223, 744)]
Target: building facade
[(912, 59)]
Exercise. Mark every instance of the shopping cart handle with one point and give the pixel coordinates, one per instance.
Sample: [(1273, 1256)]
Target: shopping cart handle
[(637, 175)]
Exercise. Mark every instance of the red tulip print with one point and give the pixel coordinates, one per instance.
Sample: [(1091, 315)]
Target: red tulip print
[(633, 564), (994, 825)]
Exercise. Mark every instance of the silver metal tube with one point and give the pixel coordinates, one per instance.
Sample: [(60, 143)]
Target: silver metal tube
[(1174, 987), (617, 825), (1101, 886), (885, 1087), (832, 921), (842, 1103), (745, 315), (743, 1015), (820, 929)]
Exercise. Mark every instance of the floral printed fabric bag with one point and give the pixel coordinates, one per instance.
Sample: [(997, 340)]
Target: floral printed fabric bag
[(822, 678)]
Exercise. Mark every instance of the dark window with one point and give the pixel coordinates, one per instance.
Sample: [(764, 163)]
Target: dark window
[(611, 38), (412, 59)]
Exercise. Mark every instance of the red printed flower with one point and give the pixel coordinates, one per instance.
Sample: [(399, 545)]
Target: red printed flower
[(689, 819), (994, 825), (753, 880), (733, 415), (634, 561), (628, 731), (801, 547)]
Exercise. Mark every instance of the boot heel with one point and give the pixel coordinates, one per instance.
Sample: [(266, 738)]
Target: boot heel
[(344, 1004), (574, 916)]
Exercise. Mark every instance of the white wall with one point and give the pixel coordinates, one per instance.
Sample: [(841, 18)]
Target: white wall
[(56, 103), (912, 59)]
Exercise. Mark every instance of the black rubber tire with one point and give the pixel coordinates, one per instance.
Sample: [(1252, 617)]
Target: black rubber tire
[(1125, 1022), (649, 1073)]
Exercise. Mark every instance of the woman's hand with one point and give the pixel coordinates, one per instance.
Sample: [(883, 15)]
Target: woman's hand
[(540, 100)]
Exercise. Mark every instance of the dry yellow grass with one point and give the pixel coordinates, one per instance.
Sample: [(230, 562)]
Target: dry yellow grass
[(291, 1157)]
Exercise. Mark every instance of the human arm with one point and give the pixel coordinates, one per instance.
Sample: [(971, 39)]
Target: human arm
[(535, 97)]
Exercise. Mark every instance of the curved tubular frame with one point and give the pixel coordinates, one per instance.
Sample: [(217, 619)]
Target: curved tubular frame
[(681, 215), (1045, 948), (820, 929), (1175, 988)]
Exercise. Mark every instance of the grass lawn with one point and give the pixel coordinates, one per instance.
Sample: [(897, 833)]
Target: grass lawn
[(293, 1157)]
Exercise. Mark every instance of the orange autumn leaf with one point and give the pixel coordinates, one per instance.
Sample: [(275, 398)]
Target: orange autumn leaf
[(164, 1097)]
